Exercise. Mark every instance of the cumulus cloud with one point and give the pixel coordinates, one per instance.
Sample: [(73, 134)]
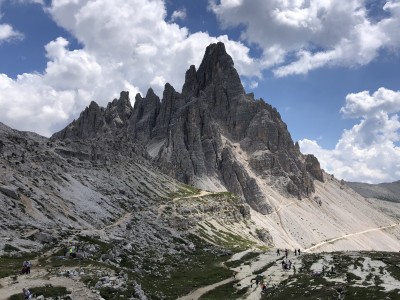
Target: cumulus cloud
[(7, 33), (302, 35), (367, 152), (126, 45), (178, 14)]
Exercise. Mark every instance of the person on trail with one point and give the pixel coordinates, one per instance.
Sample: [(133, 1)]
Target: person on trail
[(28, 267), (264, 287), (298, 251), (286, 253), (332, 269), (294, 270), (283, 264), (27, 293), (278, 252), (290, 264), (24, 267)]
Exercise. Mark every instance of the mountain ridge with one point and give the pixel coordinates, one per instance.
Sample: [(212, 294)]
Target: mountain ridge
[(186, 133)]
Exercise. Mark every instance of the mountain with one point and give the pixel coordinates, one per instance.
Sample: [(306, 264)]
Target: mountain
[(382, 191), (214, 136), (108, 200), (195, 136), (159, 195)]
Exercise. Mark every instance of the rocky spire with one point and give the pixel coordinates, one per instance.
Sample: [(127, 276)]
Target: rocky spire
[(217, 69), (213, 135)]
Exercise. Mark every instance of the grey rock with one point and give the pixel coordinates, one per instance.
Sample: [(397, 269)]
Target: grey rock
[(138, 292), (10, 192)]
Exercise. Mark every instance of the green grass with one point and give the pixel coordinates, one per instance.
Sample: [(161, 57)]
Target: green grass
[(114, 294), (10, 266), (177, 278), (303, 286), (231, 241), (184, 191), (10, 248), (46, 291)]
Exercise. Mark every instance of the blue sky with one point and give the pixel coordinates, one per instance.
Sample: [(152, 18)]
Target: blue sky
[(331, 68)]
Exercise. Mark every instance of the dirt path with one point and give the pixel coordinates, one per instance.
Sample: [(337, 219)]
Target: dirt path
[(121, 220), (348, 235), (245, 273), (201, 194), (162, 207), (40, 278)]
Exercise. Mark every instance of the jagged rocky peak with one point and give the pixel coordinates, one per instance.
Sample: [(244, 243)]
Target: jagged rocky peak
[(97, 121), (212, 135), (217, 68)]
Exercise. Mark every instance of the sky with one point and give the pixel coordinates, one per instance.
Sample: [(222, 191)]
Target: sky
[(330, 67)]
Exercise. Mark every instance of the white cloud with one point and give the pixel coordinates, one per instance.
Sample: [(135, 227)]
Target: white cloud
[(367, 152), (126, 45), (315, 33), (7, 33), (253, 84), (363, 104), (178, 14)]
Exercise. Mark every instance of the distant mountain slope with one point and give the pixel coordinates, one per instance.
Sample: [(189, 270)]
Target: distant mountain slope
[(50, 189), (382, 191)]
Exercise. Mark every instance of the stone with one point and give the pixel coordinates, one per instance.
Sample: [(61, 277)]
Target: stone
[(10, 192)]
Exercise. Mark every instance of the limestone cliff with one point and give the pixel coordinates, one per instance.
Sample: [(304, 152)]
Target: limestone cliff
[(211, 135)]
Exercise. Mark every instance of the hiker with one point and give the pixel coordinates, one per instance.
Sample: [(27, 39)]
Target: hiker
[(316, 274), (283, 264), (27, 293), (72, 252), (290, 264), (298, 251), (278, 252), (264, 287), (28, 267), (286, 253), (24, 267), (294, 269)]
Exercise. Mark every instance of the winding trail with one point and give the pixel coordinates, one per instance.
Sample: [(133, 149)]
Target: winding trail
[(202, 193), (349, 235)]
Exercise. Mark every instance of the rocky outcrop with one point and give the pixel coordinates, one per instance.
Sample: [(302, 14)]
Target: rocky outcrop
[(10, 192), (195, 135)]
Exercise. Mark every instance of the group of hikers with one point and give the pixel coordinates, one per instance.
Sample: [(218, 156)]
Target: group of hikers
[(26, 267), (296, 252), (287, 265), (259, 280), (324, 269)]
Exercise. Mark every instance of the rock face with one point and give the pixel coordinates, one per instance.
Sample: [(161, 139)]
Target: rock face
[(211, 135)]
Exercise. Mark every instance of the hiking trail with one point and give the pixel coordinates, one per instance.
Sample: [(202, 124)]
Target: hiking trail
[(349, 235)]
